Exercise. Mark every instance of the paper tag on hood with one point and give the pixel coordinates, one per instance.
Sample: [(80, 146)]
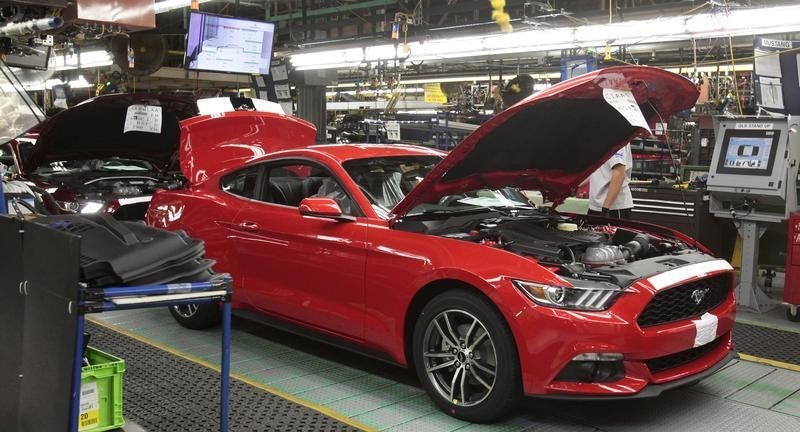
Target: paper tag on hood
[(143, 118), (624, 102)]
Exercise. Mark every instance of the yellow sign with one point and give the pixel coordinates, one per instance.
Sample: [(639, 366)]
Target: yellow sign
[(89, 406), (433, 94)]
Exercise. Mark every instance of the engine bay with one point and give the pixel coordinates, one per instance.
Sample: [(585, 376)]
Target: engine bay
[(570, 246)]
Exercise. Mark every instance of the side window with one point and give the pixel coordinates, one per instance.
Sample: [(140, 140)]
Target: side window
[(289, 183), (6, 158), (242, 183)]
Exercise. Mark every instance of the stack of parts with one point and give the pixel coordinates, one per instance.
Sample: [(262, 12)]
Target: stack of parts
[(118, 253)]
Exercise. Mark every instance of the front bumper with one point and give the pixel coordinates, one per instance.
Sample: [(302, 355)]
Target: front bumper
[(548, 339), (649, 391)]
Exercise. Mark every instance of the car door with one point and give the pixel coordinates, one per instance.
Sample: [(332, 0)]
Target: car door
[(307, 269)]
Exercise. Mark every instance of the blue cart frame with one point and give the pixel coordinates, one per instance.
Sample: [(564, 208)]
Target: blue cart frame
[(104, 299)]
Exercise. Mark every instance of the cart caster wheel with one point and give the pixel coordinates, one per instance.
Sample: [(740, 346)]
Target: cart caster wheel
[(793, 317)]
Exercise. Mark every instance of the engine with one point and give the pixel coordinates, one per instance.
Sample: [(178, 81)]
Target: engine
[(561, 241)]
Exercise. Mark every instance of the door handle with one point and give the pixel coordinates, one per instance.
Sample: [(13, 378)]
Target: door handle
[(248, 226)]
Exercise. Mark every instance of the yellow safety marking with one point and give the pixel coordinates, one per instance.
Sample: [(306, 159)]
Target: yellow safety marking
[(769, 362), (310, 405)]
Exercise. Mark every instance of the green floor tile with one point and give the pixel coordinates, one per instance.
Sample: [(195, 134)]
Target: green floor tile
[(790, 405), (514, 424), (309, 382), (434, 422), (291, 369), (376, 399), (732, 379), (343, 390), (403, 411), (769, 390)]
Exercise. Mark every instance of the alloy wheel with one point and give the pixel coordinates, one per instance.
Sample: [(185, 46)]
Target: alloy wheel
[(187, 310), (460, 357)]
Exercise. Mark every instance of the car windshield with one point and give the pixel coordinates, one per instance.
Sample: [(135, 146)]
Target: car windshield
[(18, 113), (387, 180), (113, 164)]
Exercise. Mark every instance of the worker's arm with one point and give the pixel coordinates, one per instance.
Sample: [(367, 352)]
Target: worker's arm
[(614, 185)]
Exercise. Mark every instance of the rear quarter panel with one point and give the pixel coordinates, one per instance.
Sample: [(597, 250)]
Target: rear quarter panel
[(201, 215)]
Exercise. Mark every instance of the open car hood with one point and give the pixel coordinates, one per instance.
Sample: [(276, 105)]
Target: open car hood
[(553, 140), (216, 142), (96, 129)]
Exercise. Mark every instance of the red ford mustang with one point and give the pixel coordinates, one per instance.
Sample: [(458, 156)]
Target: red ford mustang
[(438, 261)]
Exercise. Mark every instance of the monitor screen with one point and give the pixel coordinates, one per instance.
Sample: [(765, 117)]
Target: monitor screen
[(223, 44), (748, 152), (35, 58)]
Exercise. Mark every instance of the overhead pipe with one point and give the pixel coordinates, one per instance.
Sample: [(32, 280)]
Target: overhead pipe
[(32, 26)]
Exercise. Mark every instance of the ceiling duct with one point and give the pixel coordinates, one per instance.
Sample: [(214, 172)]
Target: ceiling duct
[(124, 15)]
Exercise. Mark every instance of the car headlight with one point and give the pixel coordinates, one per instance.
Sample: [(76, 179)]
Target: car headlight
[(91, 207), (588, 295), (68, 205)]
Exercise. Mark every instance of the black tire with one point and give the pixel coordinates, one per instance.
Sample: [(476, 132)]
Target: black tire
[(793, 317), (483, 396), (197, 316)]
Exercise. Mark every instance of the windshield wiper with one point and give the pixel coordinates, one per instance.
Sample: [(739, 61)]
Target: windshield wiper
[(452, 212)]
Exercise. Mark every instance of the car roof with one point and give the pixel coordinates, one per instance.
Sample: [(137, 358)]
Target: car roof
[(345, 152)]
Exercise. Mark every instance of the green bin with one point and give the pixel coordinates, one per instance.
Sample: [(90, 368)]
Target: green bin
[(101, 392)]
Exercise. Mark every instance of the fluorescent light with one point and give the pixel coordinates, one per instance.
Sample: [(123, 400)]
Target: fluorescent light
[(344, 58), (86, 59), (39, 86), (168, 5), (329, 66), (736, 22), (380, 52)]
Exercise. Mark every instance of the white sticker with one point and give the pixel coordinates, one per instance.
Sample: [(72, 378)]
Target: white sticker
[(624, 102), (89, 416), (288, 107), (282, 91), (143, 118), (279, 73), (179, 288), (706, 326), (393, 131), (766, 126)]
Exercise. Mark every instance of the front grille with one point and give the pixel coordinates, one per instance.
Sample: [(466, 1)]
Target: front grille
[(681, 358), (680, 302)]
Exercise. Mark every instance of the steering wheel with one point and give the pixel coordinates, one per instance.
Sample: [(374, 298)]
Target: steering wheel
[(276, 195)]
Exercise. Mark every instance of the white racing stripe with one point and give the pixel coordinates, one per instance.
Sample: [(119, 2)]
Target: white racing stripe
[(698, 270), (129, 201), (706, 328)]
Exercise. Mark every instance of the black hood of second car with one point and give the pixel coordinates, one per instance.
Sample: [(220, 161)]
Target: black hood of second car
[(95, 129)]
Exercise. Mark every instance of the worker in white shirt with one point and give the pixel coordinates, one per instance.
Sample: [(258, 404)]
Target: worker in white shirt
[(609, 193)]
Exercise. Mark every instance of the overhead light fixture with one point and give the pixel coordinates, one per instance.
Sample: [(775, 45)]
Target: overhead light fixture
[(736, 22), (168, 5), (47, 85), (80, 60)]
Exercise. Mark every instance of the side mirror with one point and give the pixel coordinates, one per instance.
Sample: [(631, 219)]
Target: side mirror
[(324, 208)]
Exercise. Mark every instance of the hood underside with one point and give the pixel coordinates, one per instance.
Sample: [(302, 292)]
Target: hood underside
[(213, 143), (553, 140), (95, 129)]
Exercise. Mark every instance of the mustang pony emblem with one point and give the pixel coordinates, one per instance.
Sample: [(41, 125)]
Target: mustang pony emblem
[(698, 294)]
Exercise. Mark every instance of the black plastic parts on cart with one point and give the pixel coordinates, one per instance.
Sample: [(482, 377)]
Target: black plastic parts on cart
[(128, 253)]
